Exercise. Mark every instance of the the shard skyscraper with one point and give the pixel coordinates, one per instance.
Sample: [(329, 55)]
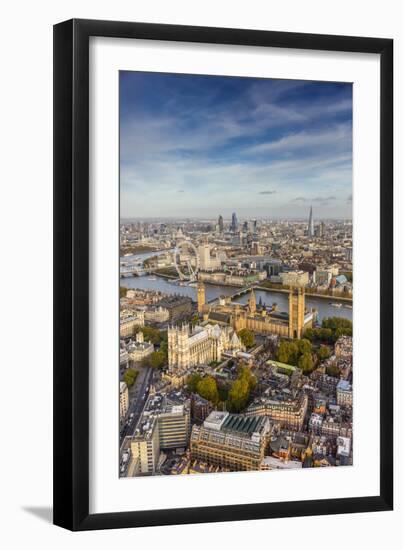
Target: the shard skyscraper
[(311, 230)]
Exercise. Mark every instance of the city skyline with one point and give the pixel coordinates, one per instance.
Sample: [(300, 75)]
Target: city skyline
[(227, 218), (186, 140)]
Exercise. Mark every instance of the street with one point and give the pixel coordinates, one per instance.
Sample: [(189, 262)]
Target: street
[(137, 398)]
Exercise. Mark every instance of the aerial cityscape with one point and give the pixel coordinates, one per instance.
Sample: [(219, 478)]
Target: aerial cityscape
[(236, 275)]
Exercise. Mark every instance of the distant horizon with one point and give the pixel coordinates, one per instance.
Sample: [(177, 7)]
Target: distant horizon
[(228, 218), (191, 142)]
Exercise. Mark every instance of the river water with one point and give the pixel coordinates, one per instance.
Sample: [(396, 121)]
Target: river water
[(147, 282)]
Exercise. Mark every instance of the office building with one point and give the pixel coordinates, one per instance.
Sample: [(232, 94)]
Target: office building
[(139, 349), (123, 400), (177, 306), (145, 446), (174, 427), (220, 224), (156, 314), (311, 229), (234, 223), (129, 321), (283, 409), (230, 441), (344, 393)]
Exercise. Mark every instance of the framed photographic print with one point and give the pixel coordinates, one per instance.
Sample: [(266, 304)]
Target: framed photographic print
[(223, 303)]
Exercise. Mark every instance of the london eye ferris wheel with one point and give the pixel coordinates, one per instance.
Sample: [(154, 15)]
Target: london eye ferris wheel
[(186, 260)]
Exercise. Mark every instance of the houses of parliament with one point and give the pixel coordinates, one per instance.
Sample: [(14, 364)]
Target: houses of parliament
[(224, 318), (289, 324)]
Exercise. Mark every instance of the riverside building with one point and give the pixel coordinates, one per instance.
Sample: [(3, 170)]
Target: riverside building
[(289, 324)]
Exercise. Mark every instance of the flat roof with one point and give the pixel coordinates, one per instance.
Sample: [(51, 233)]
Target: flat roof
[(281, 365), (242, 424)]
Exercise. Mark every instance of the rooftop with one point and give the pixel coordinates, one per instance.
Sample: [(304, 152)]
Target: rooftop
[(246, 425), (344, 385)]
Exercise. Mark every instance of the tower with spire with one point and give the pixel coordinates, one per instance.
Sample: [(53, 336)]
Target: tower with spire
[(252, 303), (201, 296), (311, 230)]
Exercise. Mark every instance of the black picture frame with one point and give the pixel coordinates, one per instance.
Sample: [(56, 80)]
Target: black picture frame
[(71, 274)]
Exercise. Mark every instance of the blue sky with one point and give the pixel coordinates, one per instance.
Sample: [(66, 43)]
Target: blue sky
[(200, 146)]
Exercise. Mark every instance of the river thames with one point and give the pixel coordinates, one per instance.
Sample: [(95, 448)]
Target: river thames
[(147, 282)]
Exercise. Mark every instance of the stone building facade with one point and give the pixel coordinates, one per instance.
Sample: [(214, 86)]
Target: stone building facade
[(202, 345), (289, 324)]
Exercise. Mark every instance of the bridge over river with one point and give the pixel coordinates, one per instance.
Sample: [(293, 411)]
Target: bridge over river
[(323, 304)]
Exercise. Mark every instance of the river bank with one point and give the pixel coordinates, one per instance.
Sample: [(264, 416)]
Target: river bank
[(307, 293), (263, 295)]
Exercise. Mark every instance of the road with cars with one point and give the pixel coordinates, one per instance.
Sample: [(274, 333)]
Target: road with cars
[(137, 398)]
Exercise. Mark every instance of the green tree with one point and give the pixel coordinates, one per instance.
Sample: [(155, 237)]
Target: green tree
[(247, 337), (192, 381), (310, 334), (325, 335), (283, 352), (207, 388), (130, 376), (337, 322), (342, 331), (305, 363), (304, 346), (246, 374), (239, 395), (288, 352), (157, 359), (333, 370), (151, 334), (323, 353), (164, 349), (338, 326)]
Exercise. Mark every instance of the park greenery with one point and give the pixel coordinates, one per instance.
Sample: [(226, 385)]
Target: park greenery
[(333, 370), (332, 328), (235, 398), (239, 394), (152, 335), (247, 337), (130, 377), (207, 388), (192, 381), (156, 360), (297, 353), (323, 353)]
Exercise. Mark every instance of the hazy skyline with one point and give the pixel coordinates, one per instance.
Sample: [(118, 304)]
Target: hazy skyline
[(199, 146)]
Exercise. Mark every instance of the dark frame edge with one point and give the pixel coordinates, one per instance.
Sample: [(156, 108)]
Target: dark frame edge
[(386, 273), (63, 474), (242, 512), (71, 277), (71, 281)]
